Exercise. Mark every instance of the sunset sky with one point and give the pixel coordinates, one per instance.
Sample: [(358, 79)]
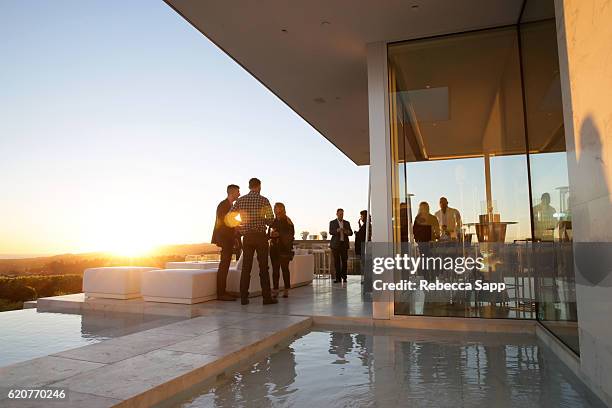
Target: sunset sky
[(121, 125)]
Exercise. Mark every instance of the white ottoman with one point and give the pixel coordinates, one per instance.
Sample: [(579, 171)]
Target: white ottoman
[(193, 265), (233, 278), (115, 282), (302, 270), (185, 286)]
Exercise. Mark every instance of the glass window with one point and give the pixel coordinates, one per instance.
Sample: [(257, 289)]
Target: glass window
[(552, 219), (457, 104), (480, 169)]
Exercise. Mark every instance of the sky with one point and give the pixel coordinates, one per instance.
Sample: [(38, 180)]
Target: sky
[(121, 126)]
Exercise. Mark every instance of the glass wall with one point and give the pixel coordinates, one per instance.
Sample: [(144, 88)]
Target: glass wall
[(552, 220), (479, 147), (458, 110)]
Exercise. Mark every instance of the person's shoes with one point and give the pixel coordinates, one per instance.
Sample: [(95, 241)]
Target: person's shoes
[(274, 293), (270, 301), (226, 297), (286, 293), (244, 301)]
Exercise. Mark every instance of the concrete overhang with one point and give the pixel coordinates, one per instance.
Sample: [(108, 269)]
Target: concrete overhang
[(312, 53)]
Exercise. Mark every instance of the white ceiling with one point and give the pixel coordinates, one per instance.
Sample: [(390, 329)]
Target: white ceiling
[(318, 65)]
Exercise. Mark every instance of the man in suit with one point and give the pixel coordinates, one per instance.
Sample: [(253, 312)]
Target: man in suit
[(225, 236), (340, 231)]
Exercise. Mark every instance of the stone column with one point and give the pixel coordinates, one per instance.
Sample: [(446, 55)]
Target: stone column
[(380, 160), (584, 31)]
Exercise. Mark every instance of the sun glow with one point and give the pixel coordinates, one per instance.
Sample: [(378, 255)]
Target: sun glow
[(131, 248), (126, 230)]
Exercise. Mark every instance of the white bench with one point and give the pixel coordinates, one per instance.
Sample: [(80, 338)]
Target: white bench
[(115, 282), (187, 286), (301, 271), (194, 264), (194, 285)]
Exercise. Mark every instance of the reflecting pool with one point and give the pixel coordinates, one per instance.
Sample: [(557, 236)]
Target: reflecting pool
[(401, 369), (27, 334)]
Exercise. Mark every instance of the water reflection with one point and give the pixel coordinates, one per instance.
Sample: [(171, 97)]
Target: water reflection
[(28, 334), (341, 369)]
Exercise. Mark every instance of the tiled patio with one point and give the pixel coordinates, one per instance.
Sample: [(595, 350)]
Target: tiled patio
[(322, 298)]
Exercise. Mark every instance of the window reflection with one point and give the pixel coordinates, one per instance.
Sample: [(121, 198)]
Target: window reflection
[(457, 116), (478, 136)]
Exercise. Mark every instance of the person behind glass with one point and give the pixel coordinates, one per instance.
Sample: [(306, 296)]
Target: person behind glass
[(225, 236), (544, 219), (426, 230), (449, 220), (255, 215), (281, 235), (426, 227), (340, 231)]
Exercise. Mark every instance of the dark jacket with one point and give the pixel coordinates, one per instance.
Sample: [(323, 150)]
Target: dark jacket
[(222, 233), (335, 235), (283, 244), (360, 236)]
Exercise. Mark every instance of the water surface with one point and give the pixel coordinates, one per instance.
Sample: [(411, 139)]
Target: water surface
[(27, 334), (418, 369)]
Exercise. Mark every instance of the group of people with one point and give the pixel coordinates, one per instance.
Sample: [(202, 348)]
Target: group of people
[(445, 225), (265, 231), (250, 224)]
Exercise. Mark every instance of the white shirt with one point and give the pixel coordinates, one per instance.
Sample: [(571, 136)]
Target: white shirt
[(452, 219), (341, 224)]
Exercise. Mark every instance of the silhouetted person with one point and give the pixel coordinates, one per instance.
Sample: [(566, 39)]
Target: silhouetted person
[(282, 233), (449, 220), (255, 215), (360, 235), (340, 231), (360, 238), (225, 237), (426, 227), (544, 220), (425, 230)]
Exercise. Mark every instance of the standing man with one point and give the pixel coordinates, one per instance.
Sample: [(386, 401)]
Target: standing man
[(449, 220), (544, 219), (340, 231), (255, 216), (225, 236)]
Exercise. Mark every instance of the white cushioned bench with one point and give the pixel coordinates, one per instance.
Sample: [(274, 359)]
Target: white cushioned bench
[(114, 282), (194, 264), (187, 286), (301, 271)]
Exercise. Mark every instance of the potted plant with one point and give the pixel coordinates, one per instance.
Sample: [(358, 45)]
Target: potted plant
[(304, 235), (324, 235)]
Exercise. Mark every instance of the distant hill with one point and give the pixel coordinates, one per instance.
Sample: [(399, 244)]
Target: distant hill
[(75, 263), (185, 249)]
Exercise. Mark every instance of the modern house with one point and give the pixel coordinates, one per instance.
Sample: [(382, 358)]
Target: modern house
[(502, 106)]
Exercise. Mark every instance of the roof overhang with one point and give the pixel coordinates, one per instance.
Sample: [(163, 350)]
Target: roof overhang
[(312, 53)]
